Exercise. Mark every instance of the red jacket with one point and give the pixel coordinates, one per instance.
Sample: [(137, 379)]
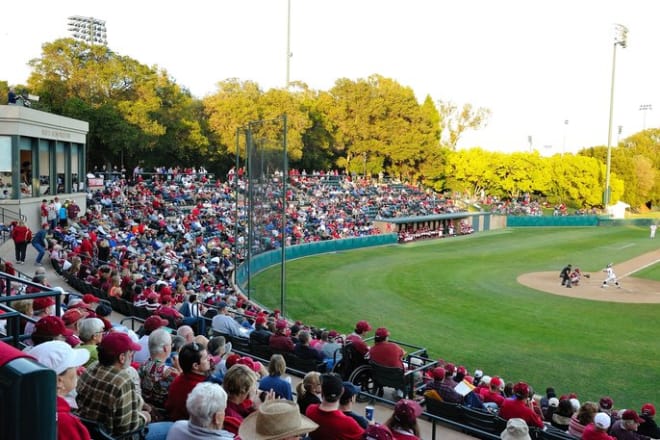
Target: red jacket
[(69, 427)]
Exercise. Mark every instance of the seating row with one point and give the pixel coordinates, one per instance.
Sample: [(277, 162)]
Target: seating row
[(483, 424)]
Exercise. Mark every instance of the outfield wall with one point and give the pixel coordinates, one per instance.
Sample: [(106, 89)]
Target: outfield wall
[(271, 258), (513, 221)]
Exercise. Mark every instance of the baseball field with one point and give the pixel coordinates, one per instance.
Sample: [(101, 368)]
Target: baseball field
[(492, 301)]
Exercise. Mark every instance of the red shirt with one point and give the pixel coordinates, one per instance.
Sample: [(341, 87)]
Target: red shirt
[(179, 390), (359, 345), (333, 425), (516, 408), (591, 433), (387, 354)]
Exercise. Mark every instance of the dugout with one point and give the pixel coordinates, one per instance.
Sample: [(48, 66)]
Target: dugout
[(437, 225)]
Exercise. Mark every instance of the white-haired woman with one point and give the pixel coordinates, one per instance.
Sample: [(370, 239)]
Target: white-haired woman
[(206, 405)]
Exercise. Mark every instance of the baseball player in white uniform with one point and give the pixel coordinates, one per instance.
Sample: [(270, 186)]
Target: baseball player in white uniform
[(611, 277)]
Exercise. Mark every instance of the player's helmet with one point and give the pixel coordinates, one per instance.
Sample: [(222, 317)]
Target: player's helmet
[(609, 265)]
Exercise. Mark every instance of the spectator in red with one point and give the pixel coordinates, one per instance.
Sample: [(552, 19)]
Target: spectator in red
[(384, 352), (355, 338), (22, 235), (493, 394), (195, 364), (333, 424), (598, 429), (280, 341), (521, 406)]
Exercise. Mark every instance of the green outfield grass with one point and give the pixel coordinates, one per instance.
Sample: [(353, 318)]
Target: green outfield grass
[(459, 298)]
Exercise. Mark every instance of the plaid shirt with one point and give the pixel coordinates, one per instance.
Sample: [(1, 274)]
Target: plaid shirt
[(108, 395)]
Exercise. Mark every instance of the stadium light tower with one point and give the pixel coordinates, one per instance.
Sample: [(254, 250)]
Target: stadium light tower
[(288, 44), (88, 29), (620, 39), (644, 108)]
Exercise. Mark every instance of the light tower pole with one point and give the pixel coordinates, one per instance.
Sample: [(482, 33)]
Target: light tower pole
[(288, 44), (620, 39)]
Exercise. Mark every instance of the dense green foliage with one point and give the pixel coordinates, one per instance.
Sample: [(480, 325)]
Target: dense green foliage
[(139, 114), (459, 298)]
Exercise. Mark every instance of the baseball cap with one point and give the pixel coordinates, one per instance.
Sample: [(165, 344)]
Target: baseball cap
[(461, 370), (362, 326), (232, 360), (378, 432), (154, 322), (88, 298), (222, 305), (333, 334), (407, 411), (631, 414), (59, 356), (602, 420), (648, 409), (605, 402), (382, 332), (117, 343), (43, 303), (438, 373), (521, 389), (250, 363), (72, 316), (261, 320), (332, 386), (350, 390), (51, 326), (281, 324), (496, 382), (553, 402)]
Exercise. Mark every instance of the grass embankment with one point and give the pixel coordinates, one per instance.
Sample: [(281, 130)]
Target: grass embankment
[(459, 298)]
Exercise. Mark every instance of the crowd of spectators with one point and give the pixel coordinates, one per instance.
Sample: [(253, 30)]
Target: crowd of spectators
[(168, 244)]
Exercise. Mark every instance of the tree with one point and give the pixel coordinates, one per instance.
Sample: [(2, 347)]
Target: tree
[(454, 121)]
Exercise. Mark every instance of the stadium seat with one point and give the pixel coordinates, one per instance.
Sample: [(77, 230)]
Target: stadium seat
[(304, 365), (482, 420), (550, 433), (445, 410), (390, 377), (98, 432)]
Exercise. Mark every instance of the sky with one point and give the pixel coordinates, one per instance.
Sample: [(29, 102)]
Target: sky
[(543, 68)]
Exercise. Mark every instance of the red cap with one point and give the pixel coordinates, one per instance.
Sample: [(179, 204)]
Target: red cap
[(333, 334), (378, 432), (232, 359), (281, 324), (250, 363), (407, 411), (154, 322), (438, 373), (521, 390), (461, 370), (117, 343), (90, 299), (382, 332), (72, 316), (606, 402), (43, 303), (631, 414), (496, 382), (362, 326), (648, 409), (261, 320), (51, 326), (450, 368)]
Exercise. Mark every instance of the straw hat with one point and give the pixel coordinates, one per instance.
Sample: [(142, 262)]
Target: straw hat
[(275, 419)]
